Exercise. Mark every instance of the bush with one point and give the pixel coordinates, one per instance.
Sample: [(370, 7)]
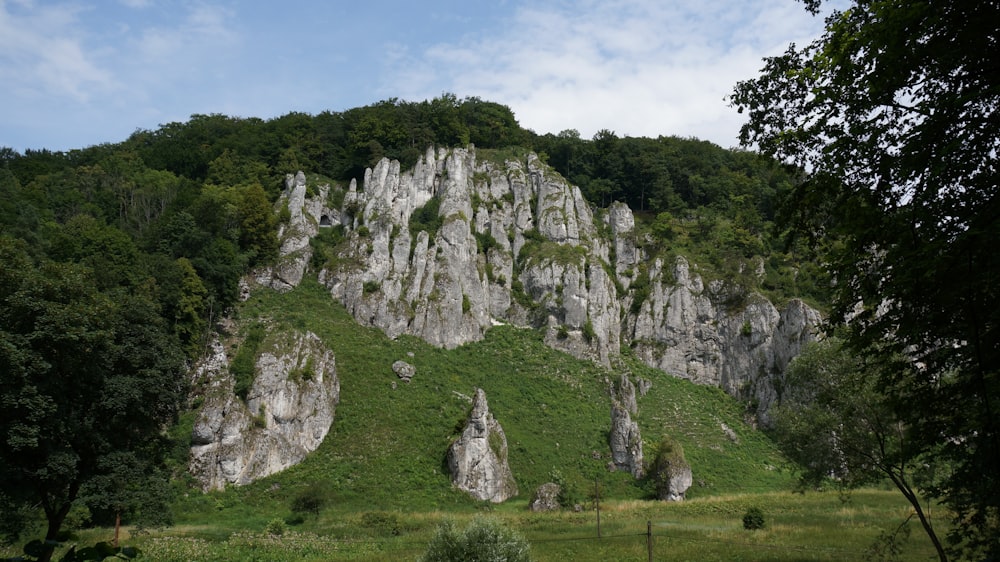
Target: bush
[(382, 524), (309, 500), (753, 519), (484, 539), (276, 527)]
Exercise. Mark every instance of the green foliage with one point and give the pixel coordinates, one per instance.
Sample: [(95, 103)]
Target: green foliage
[(905, 177), (485, 242), (426, 218), (276, 527), (381, 524), (835, 421), (324, 247), (753, 519), (258, 225), (189, 312), (484, 539), (640, 289), (371, 287), (41, 550), (77, 363), (310, 500), (243, 367)]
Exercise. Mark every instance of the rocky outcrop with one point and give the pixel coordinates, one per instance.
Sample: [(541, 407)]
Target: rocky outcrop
[(546, 497), (676, 478), (287, 412), (625, 441), (477, 460), (465, 240), (624, 437), (306, 215)]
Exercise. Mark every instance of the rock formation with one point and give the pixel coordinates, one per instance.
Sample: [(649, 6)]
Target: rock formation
[(404, 370), (624, 437), (677, 479), (287, 413), (478, 458), (546, 497), (513, 242)]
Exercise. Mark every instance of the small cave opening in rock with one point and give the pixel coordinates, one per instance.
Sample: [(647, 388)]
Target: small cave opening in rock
[(325, 221)]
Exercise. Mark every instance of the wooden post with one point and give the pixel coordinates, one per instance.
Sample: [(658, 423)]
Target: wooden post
[(649, 539), (118, 526), (597, 495)]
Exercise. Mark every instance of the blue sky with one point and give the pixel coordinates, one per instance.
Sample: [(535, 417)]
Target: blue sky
[(80, 72)]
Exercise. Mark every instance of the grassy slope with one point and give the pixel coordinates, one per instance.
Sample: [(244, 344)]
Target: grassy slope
[(387, 448), (381, 465)]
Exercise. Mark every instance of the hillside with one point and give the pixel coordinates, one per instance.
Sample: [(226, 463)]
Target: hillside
[(386, 448), (436, 285), (484, 262)]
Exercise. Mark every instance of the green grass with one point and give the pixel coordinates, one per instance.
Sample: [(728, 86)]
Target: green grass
[(814, 526), (387, 446)]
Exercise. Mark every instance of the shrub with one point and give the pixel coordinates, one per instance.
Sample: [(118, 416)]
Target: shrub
[(370, 287), (753, 519), (244, 364), (276, 527), (309, 500), (483, 539), (382, 524), (588, 331)]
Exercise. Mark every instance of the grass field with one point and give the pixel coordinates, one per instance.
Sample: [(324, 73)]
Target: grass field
[(814, 526)]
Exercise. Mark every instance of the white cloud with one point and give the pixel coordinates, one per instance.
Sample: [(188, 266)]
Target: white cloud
[(44, 54), (641, 68)]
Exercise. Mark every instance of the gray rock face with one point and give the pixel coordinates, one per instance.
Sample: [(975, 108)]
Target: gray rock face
[(546, 497), (679, 479), (517, 244), (307, 214), (288, 412), (478, 459), (624, 437)]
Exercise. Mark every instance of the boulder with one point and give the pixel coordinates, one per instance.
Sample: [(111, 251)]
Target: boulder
[(404, 370), (477, 460), (546, 497)]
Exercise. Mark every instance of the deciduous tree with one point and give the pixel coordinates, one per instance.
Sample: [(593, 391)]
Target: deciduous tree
[(87, 384), (892, 114)]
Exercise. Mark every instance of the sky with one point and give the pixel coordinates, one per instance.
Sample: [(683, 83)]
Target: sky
[(75, 73)]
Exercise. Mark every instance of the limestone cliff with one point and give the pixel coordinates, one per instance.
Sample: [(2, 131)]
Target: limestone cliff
[(287, 412), (513, 242)]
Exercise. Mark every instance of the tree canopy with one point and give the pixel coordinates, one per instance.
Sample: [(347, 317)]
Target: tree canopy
[(893, 115), (89, 381)]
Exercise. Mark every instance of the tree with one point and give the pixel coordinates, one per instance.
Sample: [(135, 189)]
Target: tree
[(834, 421), (87, 384), (892, 116)]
